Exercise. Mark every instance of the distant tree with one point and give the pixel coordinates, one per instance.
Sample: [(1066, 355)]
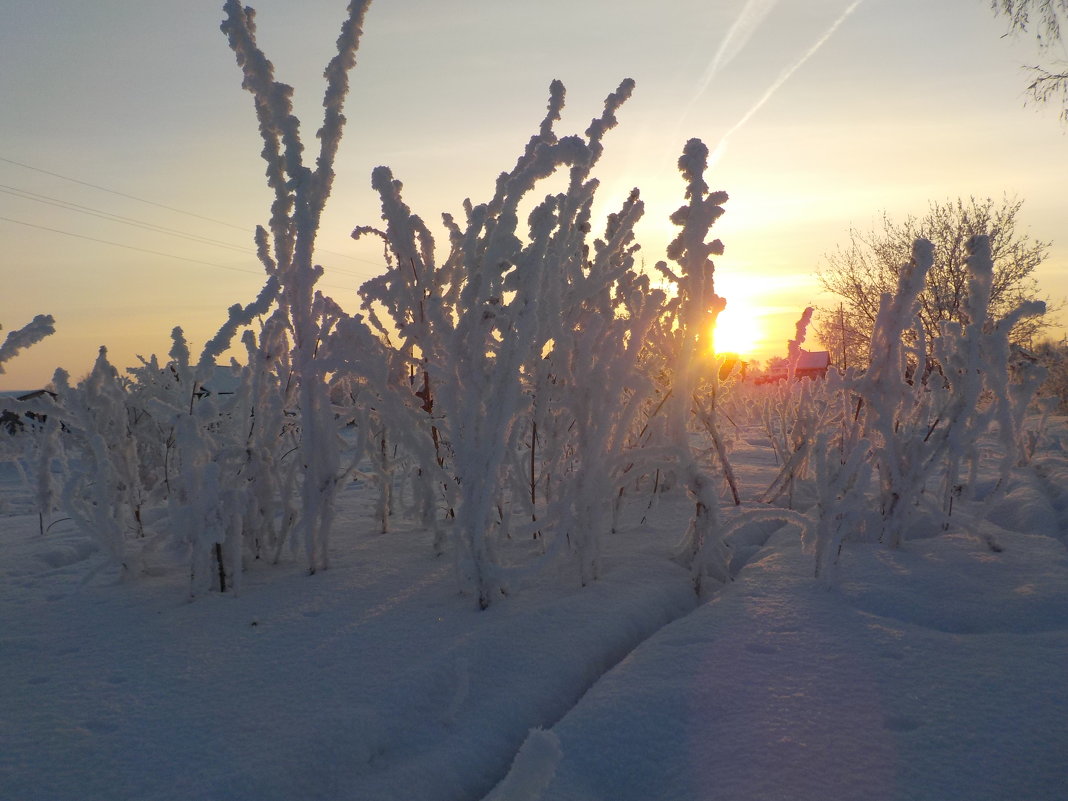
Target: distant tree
[(846, 341), (1043, 18), (861, 272), (777, 367), (1054, 357)]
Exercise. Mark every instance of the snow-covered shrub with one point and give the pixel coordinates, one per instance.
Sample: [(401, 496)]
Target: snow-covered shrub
[(605, 311), (793, 415), (894, 406), (981, 390), (694, 311), (915, 427), (226, 496), (224, 473), (153, 468), (300, 195), (390, 425), (480, 326), (102, 490)]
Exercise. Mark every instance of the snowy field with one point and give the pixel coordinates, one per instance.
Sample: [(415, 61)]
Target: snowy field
[(936, 671)]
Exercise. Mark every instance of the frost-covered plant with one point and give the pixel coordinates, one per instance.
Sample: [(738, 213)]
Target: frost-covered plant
[(224, 471), (204, 510), (270, 436), (203, 474), (793, 414), (894, 408), (981, 390), (157, 464), (102, 491), (219, 493), (605, 311), (696, 308), (480, 324), (885, 433), (300, 195), (912, 433), (843, 477)]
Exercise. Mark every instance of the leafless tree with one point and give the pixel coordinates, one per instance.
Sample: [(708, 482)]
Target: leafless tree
[(1053, 356), (862, 271), (839, 334), (1044, 19)]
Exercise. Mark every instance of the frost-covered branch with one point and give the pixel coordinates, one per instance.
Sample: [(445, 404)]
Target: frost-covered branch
[(480, 325)]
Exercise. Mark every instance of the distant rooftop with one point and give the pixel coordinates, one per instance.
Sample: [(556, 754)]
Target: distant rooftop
[(814, 360)]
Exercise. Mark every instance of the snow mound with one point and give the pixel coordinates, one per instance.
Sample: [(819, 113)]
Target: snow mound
[(934, 672)]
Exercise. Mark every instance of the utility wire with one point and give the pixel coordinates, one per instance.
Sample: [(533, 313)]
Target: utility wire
[(165, 207), (128, 247), (147, 226), (123, 194), (105, 215), (151, 252)]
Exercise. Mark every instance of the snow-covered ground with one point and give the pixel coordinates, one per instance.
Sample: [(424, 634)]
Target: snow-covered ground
[(936, 671)]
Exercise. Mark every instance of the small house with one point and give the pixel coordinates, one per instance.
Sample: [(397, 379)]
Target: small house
[(812, 364)]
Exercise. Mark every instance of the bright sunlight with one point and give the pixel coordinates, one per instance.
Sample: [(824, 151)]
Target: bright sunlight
[(738, 328)]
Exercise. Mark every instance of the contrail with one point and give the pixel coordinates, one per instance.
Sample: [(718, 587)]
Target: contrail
[(753, 13), (784, 76)]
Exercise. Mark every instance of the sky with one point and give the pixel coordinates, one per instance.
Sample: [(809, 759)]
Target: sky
[(823, 114)]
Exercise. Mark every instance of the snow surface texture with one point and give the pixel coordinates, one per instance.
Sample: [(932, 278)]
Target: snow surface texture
[(934, 671)]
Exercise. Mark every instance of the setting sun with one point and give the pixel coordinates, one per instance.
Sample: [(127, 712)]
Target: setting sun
[(738, 329)]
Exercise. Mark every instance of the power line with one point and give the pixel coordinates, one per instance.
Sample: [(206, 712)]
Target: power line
[(123, 194), (129, 247), (166, 207), (151, 252), (147, 226), (106, 215)]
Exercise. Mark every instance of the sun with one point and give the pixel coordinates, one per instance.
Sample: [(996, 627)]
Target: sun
[(738, 329)]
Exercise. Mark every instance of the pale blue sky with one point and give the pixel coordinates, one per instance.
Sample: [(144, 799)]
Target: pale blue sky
[(906, 102)]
